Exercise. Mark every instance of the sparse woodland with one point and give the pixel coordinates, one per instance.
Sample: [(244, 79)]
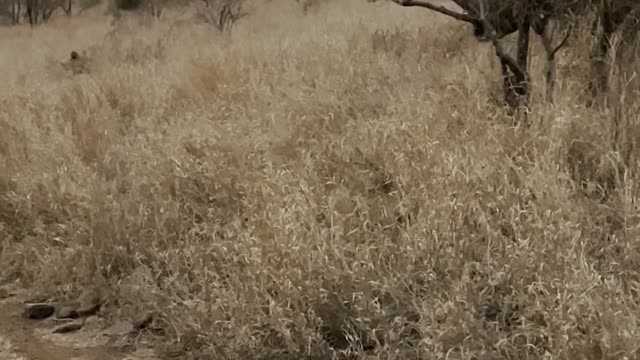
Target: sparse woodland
[(335, 179)]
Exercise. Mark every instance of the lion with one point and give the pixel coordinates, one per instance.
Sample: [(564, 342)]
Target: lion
[(77, 63)]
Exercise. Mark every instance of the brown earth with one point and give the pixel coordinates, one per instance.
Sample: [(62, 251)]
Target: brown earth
[(26, 339)]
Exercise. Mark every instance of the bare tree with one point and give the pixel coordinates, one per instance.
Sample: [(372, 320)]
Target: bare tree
[(83, 5), (515, 76), (16, 7), (67, 6), (550, 52), (222, 13), (306, 5), (155, 7), (612, 17), (39, 11), (492, 21), (33, 11)]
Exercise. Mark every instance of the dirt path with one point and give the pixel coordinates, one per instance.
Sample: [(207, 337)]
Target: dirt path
[(25, 339)]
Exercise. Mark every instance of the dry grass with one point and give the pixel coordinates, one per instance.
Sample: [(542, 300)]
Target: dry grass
[(316, 187)]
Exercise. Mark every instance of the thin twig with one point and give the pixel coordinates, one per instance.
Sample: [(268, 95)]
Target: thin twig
[(566, 37)]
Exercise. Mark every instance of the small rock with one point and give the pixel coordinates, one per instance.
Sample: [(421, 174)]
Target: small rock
[(88, 310), (143, 321), (4, 293), (38, 311), (93, 321), (67, 311), (70, 327), (90, 302)]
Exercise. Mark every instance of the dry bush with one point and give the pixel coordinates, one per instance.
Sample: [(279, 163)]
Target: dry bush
[(309, 5), (327, 187), (222, 14)]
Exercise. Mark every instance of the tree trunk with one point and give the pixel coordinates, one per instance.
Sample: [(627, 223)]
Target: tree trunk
[(550, 65), (507, 85), (30, 12), (524, 31), (600, 67), (15, 13), (46, 14), (614, 16), (156, 9), (550, 77), (516, 83), (547, 35), (222, 23)]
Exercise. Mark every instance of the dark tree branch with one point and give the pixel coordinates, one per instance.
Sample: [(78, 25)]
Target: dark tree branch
[(507, 59), (550, 67), (440, 9), (514, 71), (563, 42)]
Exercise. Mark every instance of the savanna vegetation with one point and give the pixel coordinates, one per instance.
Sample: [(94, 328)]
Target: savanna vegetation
[(283, 179)]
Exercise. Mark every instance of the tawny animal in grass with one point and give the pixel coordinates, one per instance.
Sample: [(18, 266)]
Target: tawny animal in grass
[(77, 63)]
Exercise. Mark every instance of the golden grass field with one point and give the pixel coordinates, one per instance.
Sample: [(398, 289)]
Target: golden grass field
[(307, 188)]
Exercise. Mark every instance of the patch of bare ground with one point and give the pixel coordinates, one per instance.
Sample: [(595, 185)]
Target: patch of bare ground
[(24, 338)]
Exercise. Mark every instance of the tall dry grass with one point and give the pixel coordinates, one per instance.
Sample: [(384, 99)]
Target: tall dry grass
[(313, 187)]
